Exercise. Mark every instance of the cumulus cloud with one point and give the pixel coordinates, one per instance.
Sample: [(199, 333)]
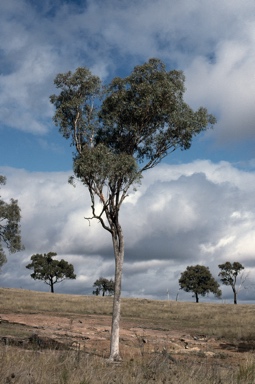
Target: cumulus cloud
[(195, 213), (211, 41), (226, 88)]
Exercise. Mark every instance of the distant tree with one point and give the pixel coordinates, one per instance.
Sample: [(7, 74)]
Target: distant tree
[(9, 226), (49, 270), (120, 130), (103, 285), (228, 276), (199, 280)]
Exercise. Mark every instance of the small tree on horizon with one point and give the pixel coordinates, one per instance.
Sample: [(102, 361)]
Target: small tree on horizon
[(199, 280), (50, 271), (228, 275), (10, 236), (119, 131), (103, 285)]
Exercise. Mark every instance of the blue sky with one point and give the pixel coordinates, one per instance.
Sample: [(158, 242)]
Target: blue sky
[(213, 43)]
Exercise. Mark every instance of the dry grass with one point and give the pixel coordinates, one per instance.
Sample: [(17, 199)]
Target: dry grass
[(218, 320), (233, 322), (58, 367), (23, 301)]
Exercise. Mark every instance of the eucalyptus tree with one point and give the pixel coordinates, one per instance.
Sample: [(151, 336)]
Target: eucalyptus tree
[(120, 130), (199, 280), (9, 226), (228, 275), (49, 270), (103, 285)]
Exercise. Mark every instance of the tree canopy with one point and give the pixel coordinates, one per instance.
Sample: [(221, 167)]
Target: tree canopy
[(49, 270), (10, 216), (103, 285), (199, 280), (228, 275), (120, 130)]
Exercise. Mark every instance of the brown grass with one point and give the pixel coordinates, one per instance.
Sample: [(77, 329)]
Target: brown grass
[(232, 322), (56, 367), (218, 320)]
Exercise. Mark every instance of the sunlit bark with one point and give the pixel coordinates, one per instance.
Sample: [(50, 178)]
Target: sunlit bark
[(118, 246)]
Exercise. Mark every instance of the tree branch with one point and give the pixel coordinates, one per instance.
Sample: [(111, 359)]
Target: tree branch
[(96, 216)]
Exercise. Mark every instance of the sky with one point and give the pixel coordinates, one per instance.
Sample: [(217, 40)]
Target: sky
[(196, 206)]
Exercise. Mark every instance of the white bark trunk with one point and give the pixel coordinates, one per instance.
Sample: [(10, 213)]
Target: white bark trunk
[(118, 245)]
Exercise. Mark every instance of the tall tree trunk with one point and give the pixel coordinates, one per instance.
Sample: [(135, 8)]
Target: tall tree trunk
[(197, 299), (118, 246), (235, 296), (51, 286)]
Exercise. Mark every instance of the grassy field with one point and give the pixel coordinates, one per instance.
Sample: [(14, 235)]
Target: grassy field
[(222, 321)]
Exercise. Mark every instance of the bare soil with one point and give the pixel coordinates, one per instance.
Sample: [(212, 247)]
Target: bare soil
[(91, 334)]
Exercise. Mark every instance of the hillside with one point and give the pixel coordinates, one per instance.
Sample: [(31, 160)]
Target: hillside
[(200, 336)]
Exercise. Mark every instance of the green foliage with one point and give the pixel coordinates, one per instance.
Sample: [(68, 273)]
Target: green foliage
[(9, 226), (103, 285), (199, 280), (76, 105), (229, 272), (98, 167), (49, 270), (228, 275), (123, 128), (145, 116)]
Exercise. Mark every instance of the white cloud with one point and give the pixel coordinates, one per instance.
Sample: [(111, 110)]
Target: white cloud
[(180, 218), (225, 87), (212, 41)]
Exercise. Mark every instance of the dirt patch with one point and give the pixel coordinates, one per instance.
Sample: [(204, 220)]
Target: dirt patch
[(91, 334)]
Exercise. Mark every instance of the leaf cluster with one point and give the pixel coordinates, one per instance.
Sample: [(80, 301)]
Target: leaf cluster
[(49, 270), (229, 272), (98, 167), (9, 226), (103, 285), (199, 280), (145, 116), (76, 105), (142, 116)]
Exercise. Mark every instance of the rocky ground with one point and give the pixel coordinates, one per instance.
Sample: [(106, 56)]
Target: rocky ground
[(91, 334)]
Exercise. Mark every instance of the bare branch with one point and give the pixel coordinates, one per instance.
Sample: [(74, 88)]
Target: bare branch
[(96, 216)]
